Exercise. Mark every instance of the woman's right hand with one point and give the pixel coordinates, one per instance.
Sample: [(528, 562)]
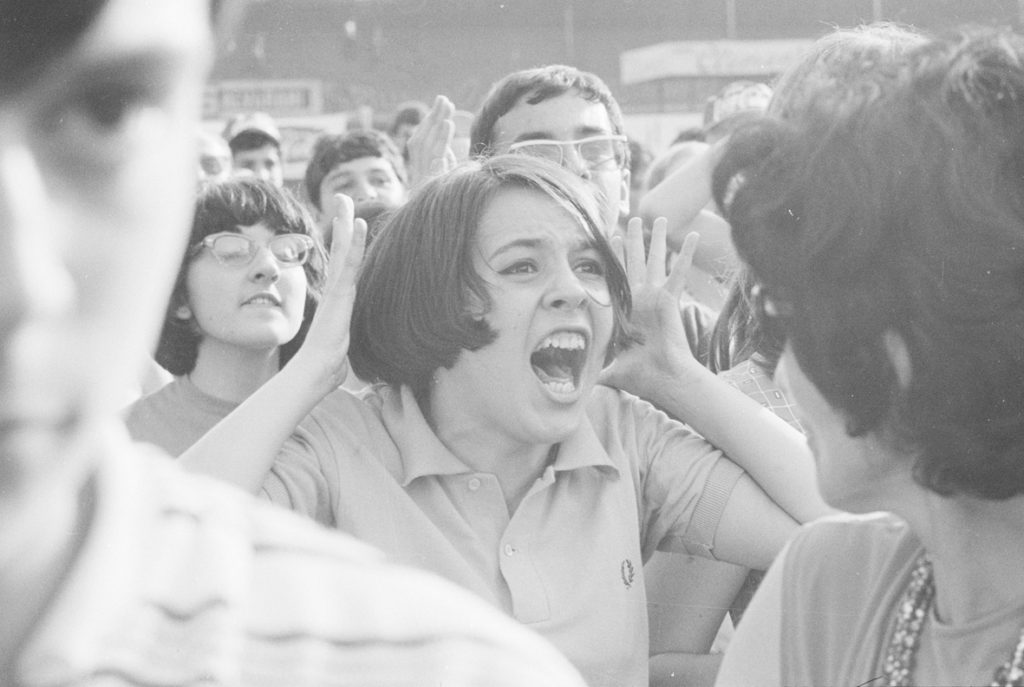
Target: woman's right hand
[(325, 350)]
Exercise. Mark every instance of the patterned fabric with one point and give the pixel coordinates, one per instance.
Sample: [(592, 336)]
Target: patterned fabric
[(749, 378), (184, 581)]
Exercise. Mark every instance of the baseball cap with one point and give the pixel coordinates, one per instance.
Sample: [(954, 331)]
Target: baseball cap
[(252, 122)]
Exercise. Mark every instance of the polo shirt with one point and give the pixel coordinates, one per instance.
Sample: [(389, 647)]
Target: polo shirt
[(181, 580), (568, 562)]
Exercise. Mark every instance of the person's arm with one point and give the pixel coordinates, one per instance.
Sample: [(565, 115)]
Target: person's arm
[(687, 601), (662, 370), (242, 447), (753, 654)]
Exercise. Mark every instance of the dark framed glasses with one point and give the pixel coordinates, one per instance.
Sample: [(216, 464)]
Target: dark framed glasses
[(596, 152), (237, 250)]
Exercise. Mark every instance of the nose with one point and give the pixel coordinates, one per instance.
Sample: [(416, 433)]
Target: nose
[(33, 277), (363, 192), (574, 162), (264, 267), (566, 291)]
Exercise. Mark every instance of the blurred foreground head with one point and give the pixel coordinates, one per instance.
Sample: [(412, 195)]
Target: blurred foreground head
[(889, 216), (99, 104)]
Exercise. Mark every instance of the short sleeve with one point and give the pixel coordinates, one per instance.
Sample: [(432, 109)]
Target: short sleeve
[(685, 482), (297, 481)]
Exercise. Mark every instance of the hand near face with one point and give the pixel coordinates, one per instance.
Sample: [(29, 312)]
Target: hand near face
[(328, 337), (430, 145), (663, 350)]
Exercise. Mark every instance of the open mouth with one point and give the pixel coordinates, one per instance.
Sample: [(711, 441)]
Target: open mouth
[(558, 361)]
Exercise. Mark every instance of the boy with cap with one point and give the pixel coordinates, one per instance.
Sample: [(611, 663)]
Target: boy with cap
[(255, 143)]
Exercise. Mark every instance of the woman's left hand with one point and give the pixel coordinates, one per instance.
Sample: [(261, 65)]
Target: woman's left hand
[(663, 351)]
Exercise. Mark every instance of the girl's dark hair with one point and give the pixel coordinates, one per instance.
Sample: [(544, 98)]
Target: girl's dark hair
[(226, 206), (835, 64), (419, 297), (903, 215)]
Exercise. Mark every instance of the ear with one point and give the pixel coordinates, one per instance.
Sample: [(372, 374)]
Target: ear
[(899, 357), (183, 312), (624, 193)]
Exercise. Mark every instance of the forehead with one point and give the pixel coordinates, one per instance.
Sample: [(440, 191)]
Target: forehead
[(563, 118), (528, 217), (360, 165)]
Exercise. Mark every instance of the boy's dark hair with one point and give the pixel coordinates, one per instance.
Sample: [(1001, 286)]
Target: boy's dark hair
[(419, 297), (226, 206), (535, 86), (331, 150), (901, 212)]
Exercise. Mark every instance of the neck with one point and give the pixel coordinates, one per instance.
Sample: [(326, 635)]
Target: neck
[(515, 463), (976, 553), (232, 373)]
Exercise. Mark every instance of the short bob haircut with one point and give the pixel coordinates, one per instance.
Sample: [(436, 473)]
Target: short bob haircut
[(903, 215), (227, 206), (331, 150), (419, 298), (535, 86)]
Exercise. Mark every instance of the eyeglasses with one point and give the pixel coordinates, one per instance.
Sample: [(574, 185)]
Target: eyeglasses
[(596, 152), (771, 314), (237, 250)]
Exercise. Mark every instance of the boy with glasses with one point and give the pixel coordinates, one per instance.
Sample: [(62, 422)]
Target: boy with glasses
[(559, 112)]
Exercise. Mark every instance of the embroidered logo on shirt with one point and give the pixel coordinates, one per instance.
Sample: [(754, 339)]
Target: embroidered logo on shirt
[(628, 573)]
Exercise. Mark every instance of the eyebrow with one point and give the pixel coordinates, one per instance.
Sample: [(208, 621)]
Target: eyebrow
[(581, 243)]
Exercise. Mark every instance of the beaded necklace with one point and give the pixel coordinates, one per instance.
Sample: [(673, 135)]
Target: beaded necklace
[(910, 616)]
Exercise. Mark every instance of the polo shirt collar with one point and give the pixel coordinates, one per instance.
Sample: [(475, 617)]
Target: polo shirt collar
[(584, 450), (423, 454)]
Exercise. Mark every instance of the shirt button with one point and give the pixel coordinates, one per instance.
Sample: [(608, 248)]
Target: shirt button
[(509, 550), (473, 484)]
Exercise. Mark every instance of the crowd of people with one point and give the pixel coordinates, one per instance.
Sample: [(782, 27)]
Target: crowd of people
[(525, 437)]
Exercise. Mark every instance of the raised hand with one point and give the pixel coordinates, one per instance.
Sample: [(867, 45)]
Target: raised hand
[(430, 145), (326, 344), (663, 351)]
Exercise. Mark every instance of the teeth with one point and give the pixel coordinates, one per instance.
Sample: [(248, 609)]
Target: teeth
[(567, 340), (561, 387), (261, 300)]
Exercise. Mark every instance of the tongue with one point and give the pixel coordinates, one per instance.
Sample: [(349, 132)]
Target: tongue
[(552, 365), (553, 373)]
